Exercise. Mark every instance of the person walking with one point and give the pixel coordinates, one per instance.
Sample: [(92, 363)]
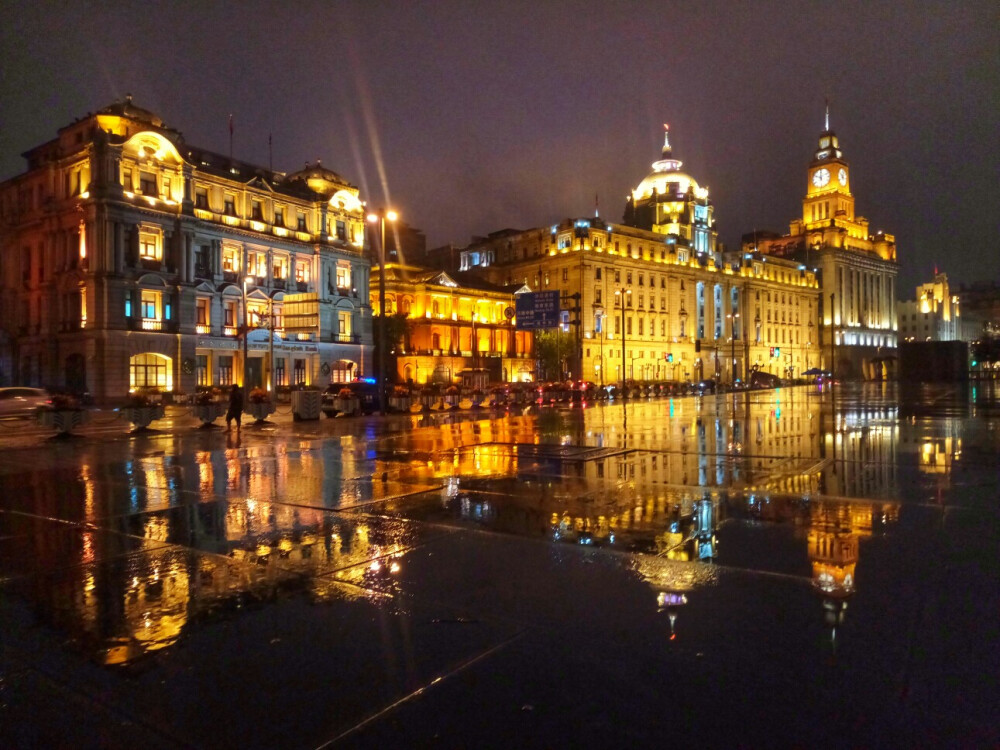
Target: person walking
[(235, 410)]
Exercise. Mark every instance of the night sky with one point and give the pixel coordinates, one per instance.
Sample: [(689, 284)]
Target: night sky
[(471, 117)]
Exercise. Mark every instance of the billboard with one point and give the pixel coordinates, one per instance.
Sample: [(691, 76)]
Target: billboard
[(537, 310)]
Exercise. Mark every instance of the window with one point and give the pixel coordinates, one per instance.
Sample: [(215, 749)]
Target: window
[(301, 224), (150, 245), (150, 371), (628, 325), (149, 309), (597, 295), (279, 216), (565, 274), (618, 276), (343, 277), (202, 312), (565, 241), (628, 277), (280, 268), (640, 326), (128, 304), (229, 314), (225, 369), (257, 265), (344, 325), (299, 372), (147, 183), (341, 230), (256, 211), (642, 279), (201, 198), (202, 264), (201, 370), (597, 273), (302, 271), (127, 179), (229, 206), (231, 259), (280, 374)]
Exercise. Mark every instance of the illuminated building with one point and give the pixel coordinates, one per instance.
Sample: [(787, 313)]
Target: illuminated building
[(857, 268), (134, 260), (687, 314), (935, 315), (455, 322)]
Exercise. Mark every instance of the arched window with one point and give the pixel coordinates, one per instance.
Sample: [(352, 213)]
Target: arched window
[(150, 370)]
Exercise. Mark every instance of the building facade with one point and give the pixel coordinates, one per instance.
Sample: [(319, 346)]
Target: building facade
[(455, 323), (653, 299), (857, 268), (131, 260), (935, 315)]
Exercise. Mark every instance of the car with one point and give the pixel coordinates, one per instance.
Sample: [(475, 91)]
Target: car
[(19, 401)]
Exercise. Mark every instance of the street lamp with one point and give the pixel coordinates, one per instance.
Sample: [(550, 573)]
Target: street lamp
[(380, 216), (620, 294), (246, 333), (733, 317)]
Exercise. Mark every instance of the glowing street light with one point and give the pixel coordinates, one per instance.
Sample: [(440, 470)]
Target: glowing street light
[(620, 294), (380, 217)]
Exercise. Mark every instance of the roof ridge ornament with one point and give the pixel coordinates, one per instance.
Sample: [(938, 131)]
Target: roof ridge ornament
[(827, 122)]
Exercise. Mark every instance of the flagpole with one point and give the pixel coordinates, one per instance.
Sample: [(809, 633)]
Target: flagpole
[(230, 136)]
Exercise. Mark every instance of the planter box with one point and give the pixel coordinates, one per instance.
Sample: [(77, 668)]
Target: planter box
[(63, 420), (208, 413), (142, 416), (347, 407), (400, 403), (306, 404), (259, 411)]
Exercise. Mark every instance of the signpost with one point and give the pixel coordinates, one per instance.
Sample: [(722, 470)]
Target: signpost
[(537, 310)]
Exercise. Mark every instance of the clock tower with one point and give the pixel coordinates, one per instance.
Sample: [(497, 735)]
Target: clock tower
[(828, 200)]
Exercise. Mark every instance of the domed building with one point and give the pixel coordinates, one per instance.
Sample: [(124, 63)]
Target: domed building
[(671, 202)]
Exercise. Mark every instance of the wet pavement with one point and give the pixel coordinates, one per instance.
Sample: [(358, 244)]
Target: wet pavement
[(784, 568)]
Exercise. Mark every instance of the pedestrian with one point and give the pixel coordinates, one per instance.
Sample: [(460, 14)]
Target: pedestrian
[(235, 407)]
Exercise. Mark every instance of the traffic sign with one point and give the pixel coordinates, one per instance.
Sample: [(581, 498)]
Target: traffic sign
[(537, 310)]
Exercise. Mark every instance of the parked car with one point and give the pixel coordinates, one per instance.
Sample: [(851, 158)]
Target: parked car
[(23, 402)]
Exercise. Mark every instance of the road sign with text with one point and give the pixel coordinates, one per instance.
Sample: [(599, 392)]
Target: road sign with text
[(537, 310)]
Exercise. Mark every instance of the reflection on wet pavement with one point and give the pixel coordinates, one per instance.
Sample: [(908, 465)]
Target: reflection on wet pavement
[(128, 548)]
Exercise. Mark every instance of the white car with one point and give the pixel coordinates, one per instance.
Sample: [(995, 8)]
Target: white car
[(22, 402)]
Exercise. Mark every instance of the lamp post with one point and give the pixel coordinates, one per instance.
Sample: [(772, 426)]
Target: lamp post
[(620, 294), (833, 342), (246, 334), (380, 216), (733, 317)]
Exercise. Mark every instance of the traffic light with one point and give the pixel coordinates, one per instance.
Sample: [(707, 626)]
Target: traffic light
[(772, 351), (670, 356), (777, 351)]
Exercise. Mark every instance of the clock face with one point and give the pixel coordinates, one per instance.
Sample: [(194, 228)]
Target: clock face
[(821, 177), (842, 176)]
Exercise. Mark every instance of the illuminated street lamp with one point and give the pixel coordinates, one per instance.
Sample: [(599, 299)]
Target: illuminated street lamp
[(246, 334), (733, 317), (620, 294), (380, 217)]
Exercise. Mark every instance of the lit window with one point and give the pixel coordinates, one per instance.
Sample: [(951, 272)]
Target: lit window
[(150, 245), (344, 277), (280, 268), (230, 259), (302, 271), (258, 265)]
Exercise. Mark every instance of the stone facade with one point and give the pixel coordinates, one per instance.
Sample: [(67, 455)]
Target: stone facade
[(131, 260)]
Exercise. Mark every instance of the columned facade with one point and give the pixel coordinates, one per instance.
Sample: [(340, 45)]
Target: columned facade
[(133, 261)]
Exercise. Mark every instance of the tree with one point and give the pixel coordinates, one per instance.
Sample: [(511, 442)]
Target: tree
[(553, 349), (397, 331)]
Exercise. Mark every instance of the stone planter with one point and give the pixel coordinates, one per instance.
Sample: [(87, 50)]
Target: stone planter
[(63, 420), (306, 404), (347, 407), (400, 403), (259, 410), (208, 413), (142, 416)]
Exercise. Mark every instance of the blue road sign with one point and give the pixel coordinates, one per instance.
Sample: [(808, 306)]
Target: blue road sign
[(537, 310)]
